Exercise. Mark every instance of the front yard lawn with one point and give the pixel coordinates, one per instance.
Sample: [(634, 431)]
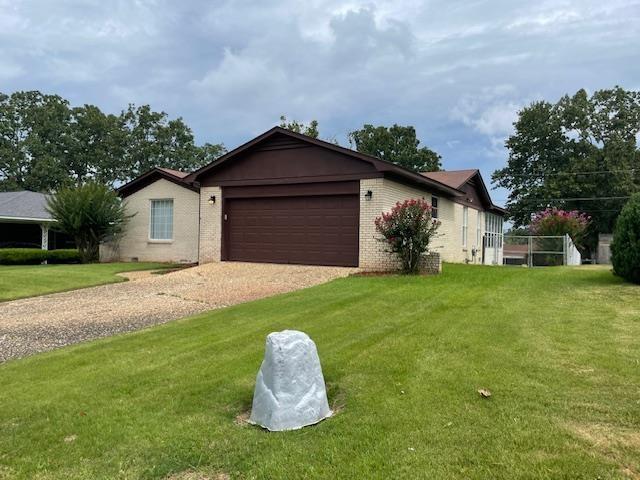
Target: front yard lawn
[(403, 358), (19, 281)]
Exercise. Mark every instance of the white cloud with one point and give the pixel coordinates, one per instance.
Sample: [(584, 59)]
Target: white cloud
[(498, 119), (458, 71), (490, 111)]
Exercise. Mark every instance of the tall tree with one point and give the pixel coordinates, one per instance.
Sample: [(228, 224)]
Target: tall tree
[(45, 144), (95, 147), (569, 153), (396, 144), (155, 141), (209, 152), (311, 129), (33, 132)]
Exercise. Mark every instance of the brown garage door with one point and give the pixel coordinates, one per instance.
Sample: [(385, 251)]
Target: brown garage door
[(311, 230)]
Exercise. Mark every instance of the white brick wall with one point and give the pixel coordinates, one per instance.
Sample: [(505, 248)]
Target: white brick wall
[(448, 242), (210, 225), (203, 244), (135, 242)]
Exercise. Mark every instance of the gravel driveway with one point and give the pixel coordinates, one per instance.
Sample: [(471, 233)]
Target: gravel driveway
[(43, 323)]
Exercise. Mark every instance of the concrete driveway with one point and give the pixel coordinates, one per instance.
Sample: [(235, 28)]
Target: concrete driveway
[(43, 323)]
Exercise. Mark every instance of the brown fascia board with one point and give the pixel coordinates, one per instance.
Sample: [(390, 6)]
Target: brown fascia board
[(498, 210), (151, 176), (492, 206), (382, 166)]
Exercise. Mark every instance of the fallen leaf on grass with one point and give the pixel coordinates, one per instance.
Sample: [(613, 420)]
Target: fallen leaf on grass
[(484, 393), (70, 438)]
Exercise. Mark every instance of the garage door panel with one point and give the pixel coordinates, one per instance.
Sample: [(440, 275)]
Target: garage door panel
[(318, 230)]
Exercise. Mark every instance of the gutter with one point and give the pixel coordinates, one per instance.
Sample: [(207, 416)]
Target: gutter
[(27, 219)]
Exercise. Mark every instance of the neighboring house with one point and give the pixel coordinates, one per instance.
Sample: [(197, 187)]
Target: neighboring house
[(284, 197), (26, 223), (515, 254)]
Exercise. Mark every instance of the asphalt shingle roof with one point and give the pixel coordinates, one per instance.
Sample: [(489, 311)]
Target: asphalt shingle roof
[(24, 204), (175, 173), (452, 178)]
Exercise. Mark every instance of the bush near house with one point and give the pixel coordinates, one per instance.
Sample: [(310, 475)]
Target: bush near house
[(407, 229), (91, 214), (625, 248), (34, 256)]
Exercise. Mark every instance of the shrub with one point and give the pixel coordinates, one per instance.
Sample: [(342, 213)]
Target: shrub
[(70, 255), (22, 256), (407, 230), (91, 214), (625, 248), (557, 222), (34, 256)]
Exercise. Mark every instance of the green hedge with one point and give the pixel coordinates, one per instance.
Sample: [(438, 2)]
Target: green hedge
[(34, 256), (625, 248)]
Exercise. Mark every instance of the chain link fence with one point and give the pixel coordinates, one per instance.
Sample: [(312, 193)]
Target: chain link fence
[(540, 251)]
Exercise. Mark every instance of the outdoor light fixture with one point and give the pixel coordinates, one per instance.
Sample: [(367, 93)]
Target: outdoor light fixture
[(368, 195), (212, 200)]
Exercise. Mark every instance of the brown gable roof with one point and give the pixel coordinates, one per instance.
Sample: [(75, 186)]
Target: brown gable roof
[(380, 165), (453, 178), (457, 179), (175, 173), (138, 183)]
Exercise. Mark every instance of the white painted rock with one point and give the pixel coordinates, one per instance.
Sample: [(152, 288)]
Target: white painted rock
[(290, 391)]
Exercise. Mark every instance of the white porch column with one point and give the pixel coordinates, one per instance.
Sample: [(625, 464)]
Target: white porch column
[(44, 242)]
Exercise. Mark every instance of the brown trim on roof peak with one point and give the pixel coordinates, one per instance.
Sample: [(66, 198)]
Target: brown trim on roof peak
[(153, 175), (382, 166)]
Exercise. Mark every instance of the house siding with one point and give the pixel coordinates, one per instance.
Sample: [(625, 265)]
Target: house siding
[(210, 225), (197, 228), (447, 243), (135, 243)]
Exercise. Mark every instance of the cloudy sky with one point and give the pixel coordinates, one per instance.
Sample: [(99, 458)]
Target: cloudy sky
[(456, 70)]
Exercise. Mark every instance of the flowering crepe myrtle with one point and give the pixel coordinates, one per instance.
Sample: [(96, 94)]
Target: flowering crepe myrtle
[(407, 230), (555, 221)]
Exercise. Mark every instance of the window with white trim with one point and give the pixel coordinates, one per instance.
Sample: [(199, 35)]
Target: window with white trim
[(434, 207), (161, 219), (465, 225), (479, 230)]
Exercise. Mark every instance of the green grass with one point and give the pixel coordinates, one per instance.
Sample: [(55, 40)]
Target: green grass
[(19, 281), (557, 347)]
